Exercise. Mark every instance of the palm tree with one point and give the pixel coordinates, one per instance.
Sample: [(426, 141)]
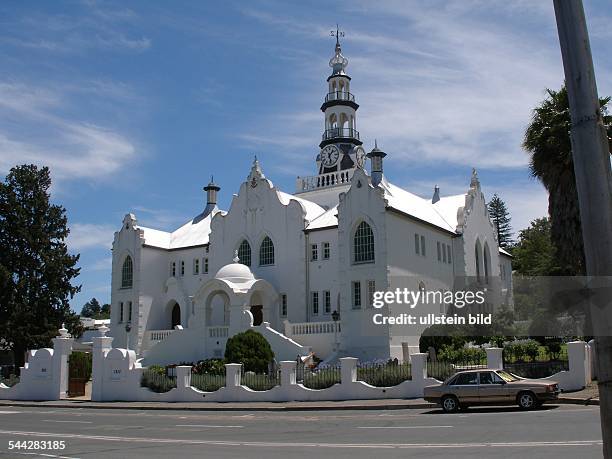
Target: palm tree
[(548, 141)]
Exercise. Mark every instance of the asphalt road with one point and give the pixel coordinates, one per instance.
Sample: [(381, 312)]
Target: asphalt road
[(554, 432)]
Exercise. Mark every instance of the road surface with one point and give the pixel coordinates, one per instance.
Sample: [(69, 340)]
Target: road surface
[(562, 431)]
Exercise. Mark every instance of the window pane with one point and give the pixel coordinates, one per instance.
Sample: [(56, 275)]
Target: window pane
[(326, 250), (127, 273), (266, 252), (363, 244), (314, 252), (416, 244), (327, 301), (423, 245), (356, 295), (244, 253), (371, 290)]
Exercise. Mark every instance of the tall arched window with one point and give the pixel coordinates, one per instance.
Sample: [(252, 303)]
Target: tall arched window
[(477, 260), (363, 244), (244, 252), (127, 273), (266, 252), (487, 262)]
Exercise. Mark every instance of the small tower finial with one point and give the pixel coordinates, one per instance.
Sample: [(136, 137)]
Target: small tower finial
[(236, 259)]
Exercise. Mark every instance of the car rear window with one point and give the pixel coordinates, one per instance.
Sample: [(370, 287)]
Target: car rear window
[(466, 379)]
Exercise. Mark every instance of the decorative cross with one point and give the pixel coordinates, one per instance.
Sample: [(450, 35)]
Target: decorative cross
[(338, 33)]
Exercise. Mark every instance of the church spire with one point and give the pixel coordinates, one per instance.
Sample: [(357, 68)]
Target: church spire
[(338, 63)]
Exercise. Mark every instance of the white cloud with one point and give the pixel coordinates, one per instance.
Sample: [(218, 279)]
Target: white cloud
[(438, 83), (105, 264), (88, 236), (36, 131)]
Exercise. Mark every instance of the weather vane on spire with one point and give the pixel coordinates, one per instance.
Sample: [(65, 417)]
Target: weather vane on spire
[(338, 33)]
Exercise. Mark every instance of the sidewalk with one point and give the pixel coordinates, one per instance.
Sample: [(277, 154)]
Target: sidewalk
[(388, 404), (587, 396), (583, 397)]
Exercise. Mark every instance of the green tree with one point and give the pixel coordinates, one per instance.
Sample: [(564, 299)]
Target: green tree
[(547, 140), (500, 217), (250, 349), (91, 309), (36, 270), (94, 310), (534, 252)]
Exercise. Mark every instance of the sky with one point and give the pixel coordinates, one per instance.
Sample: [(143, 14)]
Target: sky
[(135, 104)]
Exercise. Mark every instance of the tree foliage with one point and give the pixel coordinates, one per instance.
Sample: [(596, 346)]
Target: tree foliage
[(547, 139), (534, 252), (500, 217), (250, 349), (94, 310), (36, 270)]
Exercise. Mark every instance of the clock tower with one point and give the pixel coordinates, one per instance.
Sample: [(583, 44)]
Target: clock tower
[(340, 145)]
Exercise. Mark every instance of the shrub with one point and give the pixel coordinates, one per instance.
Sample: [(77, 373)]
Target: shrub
[(250, 349), (157, 370), (209, 366), (532, 349), (79, 365)]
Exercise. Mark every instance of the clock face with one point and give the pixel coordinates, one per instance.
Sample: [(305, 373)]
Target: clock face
[(330, 155), (360, 156)]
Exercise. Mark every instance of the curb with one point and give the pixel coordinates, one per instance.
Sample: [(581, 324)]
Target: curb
[(166, 406), (169, 406), (579, 401)]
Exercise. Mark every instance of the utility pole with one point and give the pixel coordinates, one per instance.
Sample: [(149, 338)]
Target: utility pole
[(591, 156)]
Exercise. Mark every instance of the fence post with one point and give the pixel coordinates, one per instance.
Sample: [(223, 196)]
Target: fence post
[(288, 368), (495, 358), (62, 348), (348, 370), (577, 357), (183, 377), (101, 346), (232, 375), (418, 366)]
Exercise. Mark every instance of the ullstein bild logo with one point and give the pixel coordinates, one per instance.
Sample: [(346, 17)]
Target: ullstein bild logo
[(412, 299)]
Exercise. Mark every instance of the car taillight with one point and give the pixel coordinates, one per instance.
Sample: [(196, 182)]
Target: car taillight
[(551, 388)]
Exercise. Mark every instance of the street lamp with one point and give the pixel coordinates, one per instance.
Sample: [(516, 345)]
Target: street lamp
[(128, 328), (335, 317)]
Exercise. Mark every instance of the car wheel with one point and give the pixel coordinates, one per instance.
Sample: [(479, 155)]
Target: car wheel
[(450, 404), (527, 400)]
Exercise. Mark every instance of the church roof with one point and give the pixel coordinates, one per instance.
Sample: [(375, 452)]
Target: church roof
[(311, 209), (328, 219), (447, 207), (193, 233), (415, 206), (442, 214)]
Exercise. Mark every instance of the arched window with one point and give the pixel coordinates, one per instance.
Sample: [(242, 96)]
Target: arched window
[(266, 252), (477, 260), (363, 244), (244, 252), (127, 273), (487, 262)]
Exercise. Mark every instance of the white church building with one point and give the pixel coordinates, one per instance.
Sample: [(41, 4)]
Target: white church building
[(301, 268)]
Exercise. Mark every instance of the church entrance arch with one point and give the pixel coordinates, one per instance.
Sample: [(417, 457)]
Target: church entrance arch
[(175, 316), (256, 308)]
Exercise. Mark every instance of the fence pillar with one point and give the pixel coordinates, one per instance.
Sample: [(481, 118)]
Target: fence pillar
[(418, 366), (288, 372), (577, 357), (233, 377), (62, 348), (101, 346), (348, 370), (183, 377), (495, 358)]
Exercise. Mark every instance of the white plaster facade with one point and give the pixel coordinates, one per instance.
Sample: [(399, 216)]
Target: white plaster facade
[(181, 294)]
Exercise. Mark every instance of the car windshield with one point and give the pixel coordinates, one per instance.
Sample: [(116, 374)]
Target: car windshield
[(507, 376)]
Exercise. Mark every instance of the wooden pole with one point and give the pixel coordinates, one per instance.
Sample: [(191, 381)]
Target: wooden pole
[(591, 156)]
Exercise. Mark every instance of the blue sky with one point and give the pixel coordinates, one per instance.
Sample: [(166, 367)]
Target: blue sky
[(134, 105)]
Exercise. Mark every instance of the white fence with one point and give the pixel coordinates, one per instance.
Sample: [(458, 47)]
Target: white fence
[(117, 376)]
